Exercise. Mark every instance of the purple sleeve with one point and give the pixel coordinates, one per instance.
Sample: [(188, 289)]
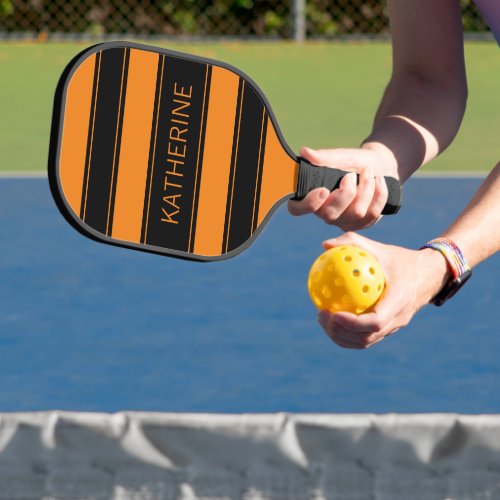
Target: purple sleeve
[(490, 9)]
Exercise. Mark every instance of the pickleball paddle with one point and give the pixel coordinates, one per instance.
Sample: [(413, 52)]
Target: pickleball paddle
[(171, 153)]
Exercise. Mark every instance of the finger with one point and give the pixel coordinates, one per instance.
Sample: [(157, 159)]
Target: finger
[(393, 332), (338, 334), (362, 340), (359, 341), (353, 341), (311, 203), (374, 342), (344, 344), (365, 191), (380, 196), (371, 340), (384, 319), (348, 338), (338, 201), (392, 311), (362, 324), (342, 340)]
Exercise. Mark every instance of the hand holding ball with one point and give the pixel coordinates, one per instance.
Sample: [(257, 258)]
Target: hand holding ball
[(346, 278)]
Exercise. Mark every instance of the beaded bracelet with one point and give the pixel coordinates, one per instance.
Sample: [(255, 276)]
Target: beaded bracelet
[(452, 254), (460, 269)]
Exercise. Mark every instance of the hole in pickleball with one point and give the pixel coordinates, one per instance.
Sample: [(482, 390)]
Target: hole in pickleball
[(317, 276), (362, 254), (346, 299), (356, 273), (348, 258), (372, 270), (327, 293), (379, 287), (366, 289), (339, 281)]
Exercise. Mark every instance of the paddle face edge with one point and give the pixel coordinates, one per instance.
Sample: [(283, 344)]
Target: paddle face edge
[(58, 118), (94, 235)]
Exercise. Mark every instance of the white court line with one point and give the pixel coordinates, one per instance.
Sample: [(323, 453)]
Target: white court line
[(454, 174), (23, 174)]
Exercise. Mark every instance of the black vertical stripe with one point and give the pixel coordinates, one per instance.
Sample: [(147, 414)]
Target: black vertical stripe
[(200, 157), (103, 143), (229, 201), (90, 135), (174, 163), (161, 62), (247, 164), (118, 142), (259, 175)]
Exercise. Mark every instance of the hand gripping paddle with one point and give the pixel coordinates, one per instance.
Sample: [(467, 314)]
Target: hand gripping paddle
[(171, 153)]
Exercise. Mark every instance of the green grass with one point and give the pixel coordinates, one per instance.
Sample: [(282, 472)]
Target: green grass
[(323, 94)]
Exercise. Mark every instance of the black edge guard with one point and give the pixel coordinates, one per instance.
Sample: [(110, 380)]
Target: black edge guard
[(312, 177)]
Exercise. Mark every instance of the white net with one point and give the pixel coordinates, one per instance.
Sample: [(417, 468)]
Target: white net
[(155, 456)]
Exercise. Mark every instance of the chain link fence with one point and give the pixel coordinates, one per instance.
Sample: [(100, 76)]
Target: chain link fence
[(284, 19)]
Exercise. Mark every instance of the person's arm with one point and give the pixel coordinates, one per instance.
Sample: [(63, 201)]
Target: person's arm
[(419, 114), (477, 230), (414, 277), (424, 103)]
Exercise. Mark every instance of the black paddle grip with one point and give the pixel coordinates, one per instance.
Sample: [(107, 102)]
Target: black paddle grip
[(312, 177)]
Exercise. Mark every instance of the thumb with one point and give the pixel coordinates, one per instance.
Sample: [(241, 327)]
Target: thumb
[(338, 157), (349, 238), (377, 249), (311, 155)]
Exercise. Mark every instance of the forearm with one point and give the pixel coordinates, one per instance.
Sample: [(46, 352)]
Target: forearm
[(477, 230), (416, 120), (424, 103)]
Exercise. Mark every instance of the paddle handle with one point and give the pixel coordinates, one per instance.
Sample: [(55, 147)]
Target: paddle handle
[(311, 177)]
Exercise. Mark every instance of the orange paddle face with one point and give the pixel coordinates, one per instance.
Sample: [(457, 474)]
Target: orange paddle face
[(171, 153), (166, 152)]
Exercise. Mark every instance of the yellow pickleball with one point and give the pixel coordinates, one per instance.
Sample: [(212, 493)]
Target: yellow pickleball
[(346, 278)]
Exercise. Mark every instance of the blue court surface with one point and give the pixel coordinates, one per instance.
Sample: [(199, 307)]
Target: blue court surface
[(90, 327)]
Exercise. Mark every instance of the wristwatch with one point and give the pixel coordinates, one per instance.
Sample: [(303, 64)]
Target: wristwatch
[(459, 267)]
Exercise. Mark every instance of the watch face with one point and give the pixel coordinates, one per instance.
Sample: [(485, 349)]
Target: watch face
[(451, 288)]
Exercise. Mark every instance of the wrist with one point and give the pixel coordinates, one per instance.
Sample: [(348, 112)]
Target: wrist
[(386, 156), (437, 272)]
